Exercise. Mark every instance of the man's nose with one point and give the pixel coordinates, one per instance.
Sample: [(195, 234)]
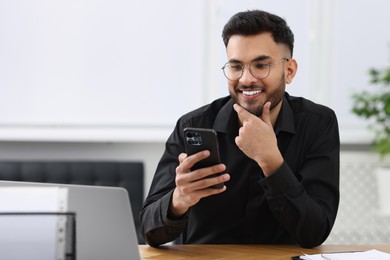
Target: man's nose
[(247, 77)]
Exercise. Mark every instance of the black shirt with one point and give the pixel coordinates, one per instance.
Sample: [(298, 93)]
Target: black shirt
[(296, 204)]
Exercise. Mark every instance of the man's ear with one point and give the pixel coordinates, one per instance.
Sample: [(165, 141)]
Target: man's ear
[(290, 70)]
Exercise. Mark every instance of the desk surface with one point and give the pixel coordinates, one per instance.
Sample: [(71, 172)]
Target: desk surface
[(231, 252)]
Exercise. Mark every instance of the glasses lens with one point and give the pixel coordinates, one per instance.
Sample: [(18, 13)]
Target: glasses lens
[(232, 71), (260, 70)]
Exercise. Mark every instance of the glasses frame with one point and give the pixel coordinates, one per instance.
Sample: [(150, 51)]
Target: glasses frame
[(269, 65)]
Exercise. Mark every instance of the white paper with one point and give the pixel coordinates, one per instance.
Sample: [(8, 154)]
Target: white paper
[(366, 255), (33, 199), (29, 236)]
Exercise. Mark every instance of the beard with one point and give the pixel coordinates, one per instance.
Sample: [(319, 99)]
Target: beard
[(255, 107)]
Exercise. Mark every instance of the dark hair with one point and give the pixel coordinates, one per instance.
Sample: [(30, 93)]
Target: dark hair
[(254, 22)]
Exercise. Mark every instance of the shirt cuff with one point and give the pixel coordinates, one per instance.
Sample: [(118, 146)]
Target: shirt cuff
[(167, 218), (283, 181)]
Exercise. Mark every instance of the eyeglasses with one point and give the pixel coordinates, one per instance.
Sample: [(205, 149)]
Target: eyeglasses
[(258, 69)]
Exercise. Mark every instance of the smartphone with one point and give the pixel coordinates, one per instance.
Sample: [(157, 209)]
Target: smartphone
[(200, 139)]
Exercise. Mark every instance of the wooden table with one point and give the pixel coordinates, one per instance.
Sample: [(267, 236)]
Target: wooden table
[(230, 252)]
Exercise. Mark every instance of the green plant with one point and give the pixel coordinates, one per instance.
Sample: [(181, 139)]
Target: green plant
[(374, 105)]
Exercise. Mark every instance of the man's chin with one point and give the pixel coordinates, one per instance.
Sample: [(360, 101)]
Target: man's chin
[(253, 108), (257, 111)]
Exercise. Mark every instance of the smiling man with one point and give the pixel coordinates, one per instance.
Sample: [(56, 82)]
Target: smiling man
[(280, 154)]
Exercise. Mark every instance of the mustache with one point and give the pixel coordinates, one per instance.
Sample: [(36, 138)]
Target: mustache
[(251, 87)]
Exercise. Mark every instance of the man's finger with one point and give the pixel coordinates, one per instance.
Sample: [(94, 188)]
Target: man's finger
[(182, 156), (266, 115), (242, 113)]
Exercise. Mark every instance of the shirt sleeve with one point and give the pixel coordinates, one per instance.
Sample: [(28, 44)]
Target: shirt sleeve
[(306, 202), (156, 226)]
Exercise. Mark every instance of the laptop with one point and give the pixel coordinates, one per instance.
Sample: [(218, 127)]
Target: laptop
[(104, 221)]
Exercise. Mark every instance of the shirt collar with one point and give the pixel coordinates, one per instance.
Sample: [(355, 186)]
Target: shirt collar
[(227, 118), (285, 121)]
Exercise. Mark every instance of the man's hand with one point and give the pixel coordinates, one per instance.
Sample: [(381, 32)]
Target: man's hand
[(191, 186), (256, 138)]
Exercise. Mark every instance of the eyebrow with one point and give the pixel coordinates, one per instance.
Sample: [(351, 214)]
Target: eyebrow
[(259, 58)]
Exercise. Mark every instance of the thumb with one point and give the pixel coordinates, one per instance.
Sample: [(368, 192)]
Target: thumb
[(266, 115)]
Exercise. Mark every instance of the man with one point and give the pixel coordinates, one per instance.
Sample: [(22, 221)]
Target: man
[(280, 154)]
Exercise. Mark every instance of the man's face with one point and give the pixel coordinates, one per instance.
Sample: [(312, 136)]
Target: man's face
[(252, 93)]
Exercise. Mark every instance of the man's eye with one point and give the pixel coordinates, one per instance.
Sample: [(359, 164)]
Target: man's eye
[(236, 67), (260, 65)]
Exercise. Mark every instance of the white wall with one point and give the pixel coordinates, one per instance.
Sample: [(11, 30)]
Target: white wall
[(102, 70), (99, 63)]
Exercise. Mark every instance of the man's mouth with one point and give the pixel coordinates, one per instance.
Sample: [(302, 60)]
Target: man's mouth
[(251, 93)]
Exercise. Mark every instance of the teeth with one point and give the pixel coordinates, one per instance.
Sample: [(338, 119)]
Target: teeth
[(251, 93)]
